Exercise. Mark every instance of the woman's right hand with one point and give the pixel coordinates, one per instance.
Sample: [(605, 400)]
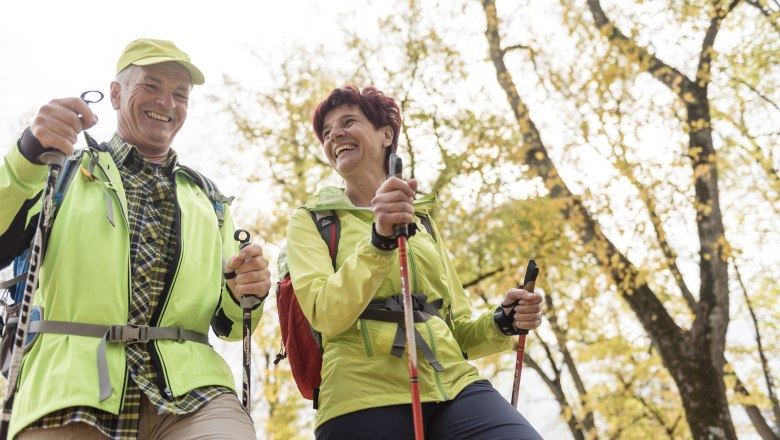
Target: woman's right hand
[(393, 204)]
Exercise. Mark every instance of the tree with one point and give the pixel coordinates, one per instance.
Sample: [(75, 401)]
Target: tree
[(613, 244), (692, 351)]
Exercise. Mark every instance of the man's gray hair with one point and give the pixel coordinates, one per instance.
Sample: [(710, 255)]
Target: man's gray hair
[(123, 77)]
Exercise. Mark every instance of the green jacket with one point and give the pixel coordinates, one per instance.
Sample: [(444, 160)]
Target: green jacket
[(358, 371), (85, 277)]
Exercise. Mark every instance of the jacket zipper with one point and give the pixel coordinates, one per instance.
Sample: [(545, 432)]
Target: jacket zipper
[(129, 272), (412, 270), (431, 337), (416, 289), (436, 374), (173, 269), (363, 324)]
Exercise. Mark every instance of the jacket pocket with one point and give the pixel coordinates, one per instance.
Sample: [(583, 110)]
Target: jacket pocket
[(377, 336)]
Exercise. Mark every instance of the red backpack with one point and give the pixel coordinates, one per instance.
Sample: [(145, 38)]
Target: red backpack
[(301, 344)]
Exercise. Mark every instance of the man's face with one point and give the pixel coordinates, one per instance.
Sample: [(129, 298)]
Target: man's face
[(151, 103)]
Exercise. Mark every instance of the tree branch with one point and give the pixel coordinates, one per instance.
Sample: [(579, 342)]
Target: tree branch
[(712, 313), (554, 385), (766, 12), (560, 332), (672, 78), (634, 289), (483, 276), (753, 412), (626, 169), (756, 153), (770, 387), (703, 71), (757, 92)]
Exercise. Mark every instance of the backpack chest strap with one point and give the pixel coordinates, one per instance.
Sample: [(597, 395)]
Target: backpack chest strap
[(123, 334), (391, 310)]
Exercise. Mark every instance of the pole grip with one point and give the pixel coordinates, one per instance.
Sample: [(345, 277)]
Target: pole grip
[(395, 168), (52, 157)]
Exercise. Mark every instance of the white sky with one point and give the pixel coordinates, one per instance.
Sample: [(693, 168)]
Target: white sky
[(54, 49)]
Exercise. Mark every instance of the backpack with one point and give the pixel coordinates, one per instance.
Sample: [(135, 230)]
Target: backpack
[(10, 301), (301, 343)]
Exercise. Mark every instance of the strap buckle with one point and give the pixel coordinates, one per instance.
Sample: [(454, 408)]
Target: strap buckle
[(128, 334)]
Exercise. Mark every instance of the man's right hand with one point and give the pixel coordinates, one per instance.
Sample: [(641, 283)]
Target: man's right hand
[(59, 122)]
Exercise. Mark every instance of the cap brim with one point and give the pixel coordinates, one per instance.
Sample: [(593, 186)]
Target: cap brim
[(195, 73)]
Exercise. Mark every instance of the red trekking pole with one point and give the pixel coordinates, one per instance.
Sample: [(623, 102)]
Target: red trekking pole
[(411, 345), (529, 282)]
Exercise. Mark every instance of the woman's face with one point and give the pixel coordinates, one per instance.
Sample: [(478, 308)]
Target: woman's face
[(352, 145)]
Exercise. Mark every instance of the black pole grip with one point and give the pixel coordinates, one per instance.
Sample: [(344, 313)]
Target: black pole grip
[(396, 170)]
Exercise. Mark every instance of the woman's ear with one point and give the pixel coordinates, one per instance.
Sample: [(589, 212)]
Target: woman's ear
[(388, 136)]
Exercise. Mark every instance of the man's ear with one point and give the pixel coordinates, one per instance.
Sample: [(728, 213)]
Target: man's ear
[(115, 89)]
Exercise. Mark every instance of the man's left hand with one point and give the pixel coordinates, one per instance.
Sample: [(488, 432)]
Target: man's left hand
[(252, 274)]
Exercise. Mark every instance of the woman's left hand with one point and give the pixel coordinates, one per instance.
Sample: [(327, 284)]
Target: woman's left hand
[(528, 311)]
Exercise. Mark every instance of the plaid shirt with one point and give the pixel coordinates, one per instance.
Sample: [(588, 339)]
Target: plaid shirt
[(150, 194)]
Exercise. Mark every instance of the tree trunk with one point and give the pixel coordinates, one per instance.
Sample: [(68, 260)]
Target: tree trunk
[(694, 357)]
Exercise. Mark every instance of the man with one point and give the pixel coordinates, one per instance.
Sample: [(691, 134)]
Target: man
[(136, 242)]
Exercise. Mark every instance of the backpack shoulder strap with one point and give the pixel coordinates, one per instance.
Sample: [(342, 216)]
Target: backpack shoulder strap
[(425, 219), (21, 261), (218, 200), (66, 177), (330, 229)]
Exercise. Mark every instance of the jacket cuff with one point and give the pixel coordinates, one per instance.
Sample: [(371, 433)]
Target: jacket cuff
[(504, 322), (382, 242), (28, 174), (30, 147), (238, 303)]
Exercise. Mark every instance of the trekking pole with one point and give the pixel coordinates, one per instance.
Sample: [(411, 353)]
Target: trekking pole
[(248, 303), (402, 232), (55, 160), (529, 282)]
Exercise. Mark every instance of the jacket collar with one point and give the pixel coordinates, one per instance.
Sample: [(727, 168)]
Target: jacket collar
[(331, 197)]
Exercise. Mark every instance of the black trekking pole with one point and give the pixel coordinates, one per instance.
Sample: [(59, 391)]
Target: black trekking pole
[(402, 231), (248, 303), (529, 282), (55, 160)]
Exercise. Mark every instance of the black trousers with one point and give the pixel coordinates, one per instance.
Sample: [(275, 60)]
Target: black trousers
[(479, 412)]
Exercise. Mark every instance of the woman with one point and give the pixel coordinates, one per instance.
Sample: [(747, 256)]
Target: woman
[(365, 378)]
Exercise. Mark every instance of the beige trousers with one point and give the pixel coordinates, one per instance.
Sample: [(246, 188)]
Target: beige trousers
[(221, 418)]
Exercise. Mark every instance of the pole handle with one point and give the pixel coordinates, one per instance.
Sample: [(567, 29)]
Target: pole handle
[(52, 157), (395, 168)]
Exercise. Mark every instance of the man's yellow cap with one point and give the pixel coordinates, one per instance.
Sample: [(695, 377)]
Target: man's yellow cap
[(147, 51)]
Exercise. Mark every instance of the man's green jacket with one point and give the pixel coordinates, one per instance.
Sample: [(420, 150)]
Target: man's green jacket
[(85, 278)]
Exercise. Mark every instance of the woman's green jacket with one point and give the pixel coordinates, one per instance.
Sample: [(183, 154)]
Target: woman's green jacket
[(358, 369)]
